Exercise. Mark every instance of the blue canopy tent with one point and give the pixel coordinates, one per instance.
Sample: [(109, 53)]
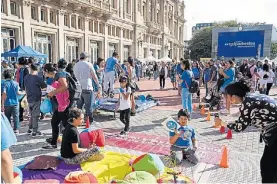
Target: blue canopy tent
[(23, 51)]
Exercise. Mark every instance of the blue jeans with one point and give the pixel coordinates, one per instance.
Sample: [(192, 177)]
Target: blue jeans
[(13, 111), (34, 108), (187, 100), (87, 98)]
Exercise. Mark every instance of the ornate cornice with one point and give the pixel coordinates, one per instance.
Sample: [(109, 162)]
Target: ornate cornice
[(26, 2), (63, 3), (61, 12)]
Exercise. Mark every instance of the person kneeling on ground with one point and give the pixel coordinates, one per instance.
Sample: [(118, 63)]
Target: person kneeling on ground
[(182, 140), (71, 150)]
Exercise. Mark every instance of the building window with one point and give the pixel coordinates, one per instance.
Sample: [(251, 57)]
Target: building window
[(126, 52), (131, 35), (43, 44), (66, 20), (79, 23), (33, 13), (13, 8), (72, 49), (117, 31), (42, 15), (113, 30), (112, 48), (90, 26), (127, 9), (8, 39), (109, 30), (94, 51), (96, 26), (101, 28), (2, 7), (113, 4), (52, 17), (73, 21)]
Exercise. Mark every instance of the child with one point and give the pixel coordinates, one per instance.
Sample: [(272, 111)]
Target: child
[(124, 104), (70, 148), (9, 99), (183, 142), (33, 85)]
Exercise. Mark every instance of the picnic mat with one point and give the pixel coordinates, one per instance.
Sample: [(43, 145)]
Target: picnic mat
[(58, 174), (208, 153)]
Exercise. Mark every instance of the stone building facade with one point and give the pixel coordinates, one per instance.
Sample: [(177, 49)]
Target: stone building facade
[(64, 28)]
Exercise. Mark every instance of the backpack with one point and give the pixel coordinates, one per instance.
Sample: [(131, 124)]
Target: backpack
[(194, 86), (162, 71), (74, 87), (248, 72), (22, 73)]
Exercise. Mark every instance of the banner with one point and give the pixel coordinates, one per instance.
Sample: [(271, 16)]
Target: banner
[(241, 44)]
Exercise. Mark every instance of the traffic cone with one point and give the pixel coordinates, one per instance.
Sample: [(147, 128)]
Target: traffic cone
[(229, 134), (222, 129), (217, 122), (208, 116), (224, 158), (202, 111), (87, 123)]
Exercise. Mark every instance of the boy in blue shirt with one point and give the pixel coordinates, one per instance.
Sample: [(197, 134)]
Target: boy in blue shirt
[(9, 97), (182, 140)]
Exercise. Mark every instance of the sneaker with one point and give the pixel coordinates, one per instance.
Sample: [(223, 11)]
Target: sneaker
[(29, 132), (38, 133), (133, 113), (50, 147), (49, 140), (123, 133), (42, 117), (16, 132), (105, 94)]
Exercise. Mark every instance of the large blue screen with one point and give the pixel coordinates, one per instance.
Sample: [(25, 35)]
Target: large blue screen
[(240, 44)]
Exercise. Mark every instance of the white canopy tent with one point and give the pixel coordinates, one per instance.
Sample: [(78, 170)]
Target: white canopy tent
[(150, 59), (165, 59)]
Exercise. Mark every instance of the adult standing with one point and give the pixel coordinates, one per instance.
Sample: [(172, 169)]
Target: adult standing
[(4, 66), (163, 74), (229, 77), (109, 73), (60, 110), (185, 80), (156, 70), (252, 73), (99, 69), (214, 74), (207, 76), (260, 111), (268, 75), (85, 74), (196, 70), (132, 78), (179, 72), (173, 73)]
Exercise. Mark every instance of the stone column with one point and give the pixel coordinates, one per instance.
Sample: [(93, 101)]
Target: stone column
[(86, 27), (61, 35), (27, 36), (120, 45), (147, 10), (48, 15), (155, 11), (8, 7), (106, 44), (120, 8), (148, 46), (38, 13)]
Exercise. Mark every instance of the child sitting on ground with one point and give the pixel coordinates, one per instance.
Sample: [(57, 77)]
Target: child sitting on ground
[(182, 140), (71, 151), (124, 104)]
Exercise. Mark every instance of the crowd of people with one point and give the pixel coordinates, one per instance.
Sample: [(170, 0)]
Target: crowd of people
[(74, 86)]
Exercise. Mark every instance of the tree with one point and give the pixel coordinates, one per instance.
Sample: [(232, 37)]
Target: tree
[(201, 44), (273, 51)]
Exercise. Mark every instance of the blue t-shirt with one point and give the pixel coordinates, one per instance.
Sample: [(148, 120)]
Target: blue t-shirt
[(196, 72), (11, 88), (60, 74), (49, 81), (185, 140), (207, 74), (7, 136), (231, 74), (33, 85), (186, 77), (110, 64), (179, 69)]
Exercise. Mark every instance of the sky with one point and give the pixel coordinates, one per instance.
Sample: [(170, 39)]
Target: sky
[(206, 11)]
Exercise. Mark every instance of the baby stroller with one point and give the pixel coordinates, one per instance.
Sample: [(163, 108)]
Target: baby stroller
[(213, 98)]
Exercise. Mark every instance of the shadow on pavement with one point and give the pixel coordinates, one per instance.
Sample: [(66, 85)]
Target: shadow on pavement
[(214, 132)]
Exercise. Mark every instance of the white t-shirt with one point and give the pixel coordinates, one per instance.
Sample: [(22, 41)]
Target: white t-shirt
[(124, 104), (270, 74), (83, 72)]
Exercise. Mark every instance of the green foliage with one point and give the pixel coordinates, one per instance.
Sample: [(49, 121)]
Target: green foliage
[(273, 51)]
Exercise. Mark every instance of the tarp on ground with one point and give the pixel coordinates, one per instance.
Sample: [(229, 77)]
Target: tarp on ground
[(23, 51)]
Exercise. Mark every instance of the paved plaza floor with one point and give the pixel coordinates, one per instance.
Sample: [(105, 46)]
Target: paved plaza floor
[(244, 149)]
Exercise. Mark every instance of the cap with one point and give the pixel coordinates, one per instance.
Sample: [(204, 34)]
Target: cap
[(5, 61), (84, 55), (123, 79)]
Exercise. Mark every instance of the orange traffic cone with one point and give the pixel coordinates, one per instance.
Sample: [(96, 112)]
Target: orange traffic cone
[(224, 158), (208, 116), (202, 111), (229, 134), (217, 122), (87, 123), (222, 129)]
